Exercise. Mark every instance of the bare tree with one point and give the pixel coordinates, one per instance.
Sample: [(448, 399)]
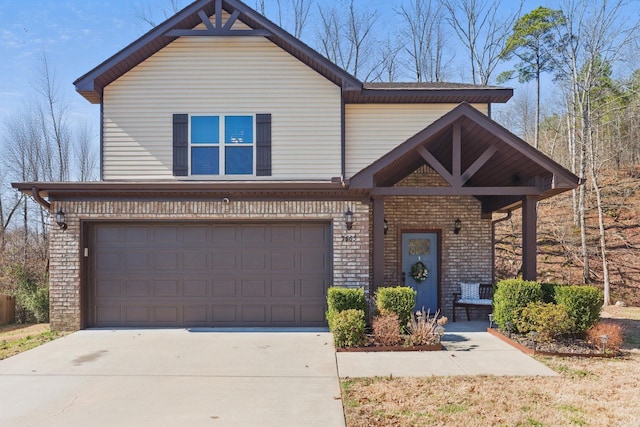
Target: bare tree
[(596, 36), (483, 31), (424, 38), (86, 158), (347, 39), (152, 13), (301, 10)]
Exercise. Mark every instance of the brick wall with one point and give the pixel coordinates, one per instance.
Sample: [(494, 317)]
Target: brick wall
[(465, 257), (350, 247)]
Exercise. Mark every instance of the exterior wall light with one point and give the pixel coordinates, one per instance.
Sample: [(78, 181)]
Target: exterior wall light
[(348, 219), (457, 226), (386, 226), (60, 220)]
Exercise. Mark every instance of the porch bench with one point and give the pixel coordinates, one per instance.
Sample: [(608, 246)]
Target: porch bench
[(468, 297)]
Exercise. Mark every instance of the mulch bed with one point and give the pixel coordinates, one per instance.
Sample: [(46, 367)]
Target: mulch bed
[(565, 346)]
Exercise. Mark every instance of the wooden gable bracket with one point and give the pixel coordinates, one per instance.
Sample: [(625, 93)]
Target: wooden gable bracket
[(218, 29)]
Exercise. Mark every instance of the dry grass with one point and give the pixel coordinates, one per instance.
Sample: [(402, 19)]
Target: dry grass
[(589, 392), (15, 339)]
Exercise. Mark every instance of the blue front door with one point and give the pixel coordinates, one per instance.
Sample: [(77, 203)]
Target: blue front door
[(421, 249)]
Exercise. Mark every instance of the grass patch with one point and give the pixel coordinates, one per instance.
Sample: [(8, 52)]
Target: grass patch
[(452, 408), (10, 345)]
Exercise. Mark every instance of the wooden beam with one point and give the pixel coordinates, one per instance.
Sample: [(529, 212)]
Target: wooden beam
[(188, 33), (205, 20), (456, 157), (435, 164), (456, 191), (480, 161), (378, 244), (529, 238), (231, 20), (218, 14)]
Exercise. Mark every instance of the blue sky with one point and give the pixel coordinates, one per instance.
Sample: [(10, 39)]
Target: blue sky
[(77, 35)]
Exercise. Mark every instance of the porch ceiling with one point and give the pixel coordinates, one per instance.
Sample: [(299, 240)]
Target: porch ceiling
[(476, 156)]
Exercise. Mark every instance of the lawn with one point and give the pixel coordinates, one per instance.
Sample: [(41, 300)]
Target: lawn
[(588, 392), (15, 339)]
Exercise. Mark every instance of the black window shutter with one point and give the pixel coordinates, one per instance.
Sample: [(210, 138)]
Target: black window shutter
[(180, 145), (263, 144)]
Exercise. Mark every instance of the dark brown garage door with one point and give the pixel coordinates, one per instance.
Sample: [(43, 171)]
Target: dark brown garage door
[(167, 274)]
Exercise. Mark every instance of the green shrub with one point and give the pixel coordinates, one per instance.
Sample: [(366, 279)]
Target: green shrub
[(549, 320), (510, 297), (340, 299), (32, 296), (348, 328), (549, 292), (399, 300), (583, 304)]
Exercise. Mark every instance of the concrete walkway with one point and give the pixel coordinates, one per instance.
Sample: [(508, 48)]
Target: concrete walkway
[(470, 350), (174, 378)]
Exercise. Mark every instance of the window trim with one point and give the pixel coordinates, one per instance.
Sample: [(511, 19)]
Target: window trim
[(222, 156)]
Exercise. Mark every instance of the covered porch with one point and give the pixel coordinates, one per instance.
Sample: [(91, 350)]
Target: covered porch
[(435, 196)]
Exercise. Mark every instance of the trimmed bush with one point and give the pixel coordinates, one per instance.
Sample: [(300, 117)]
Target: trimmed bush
[(341, 299), (510, 297), (549, 320), (399, 300), (348, 328), (583, 304), (549, 292)]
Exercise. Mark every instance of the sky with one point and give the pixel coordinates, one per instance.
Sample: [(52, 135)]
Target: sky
[(78, 35)]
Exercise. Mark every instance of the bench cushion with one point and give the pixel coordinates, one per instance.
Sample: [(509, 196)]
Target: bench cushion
[(470, 291), (474, 301)]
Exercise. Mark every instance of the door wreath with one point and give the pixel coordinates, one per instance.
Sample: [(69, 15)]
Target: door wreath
[(419, 272)]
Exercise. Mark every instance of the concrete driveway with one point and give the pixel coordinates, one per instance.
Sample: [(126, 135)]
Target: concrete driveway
[(174, 378)]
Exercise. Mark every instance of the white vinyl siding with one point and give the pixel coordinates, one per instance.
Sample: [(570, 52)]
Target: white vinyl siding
[(372, 130), (213, 76)]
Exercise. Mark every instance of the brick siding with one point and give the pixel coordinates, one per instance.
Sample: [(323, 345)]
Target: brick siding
[(350, 248)]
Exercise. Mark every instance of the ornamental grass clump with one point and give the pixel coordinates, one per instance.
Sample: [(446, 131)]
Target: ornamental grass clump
[(613, 333), (425, 329), (386, 329)]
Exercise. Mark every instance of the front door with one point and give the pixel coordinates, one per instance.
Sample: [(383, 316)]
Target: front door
[(420, 258)]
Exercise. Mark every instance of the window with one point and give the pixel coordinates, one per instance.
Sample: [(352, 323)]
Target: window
[(222, 145)]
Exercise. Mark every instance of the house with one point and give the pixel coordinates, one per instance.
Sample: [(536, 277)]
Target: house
[(242, 174)]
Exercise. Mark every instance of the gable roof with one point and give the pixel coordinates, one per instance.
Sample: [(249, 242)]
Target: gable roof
[(487, 161), (91, 84)]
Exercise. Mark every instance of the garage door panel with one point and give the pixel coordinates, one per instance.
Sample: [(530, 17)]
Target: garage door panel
[(158, 274), (138, 260), (136, 288), (312, 314), (107, 261), (253, 288), (196, 288), (195, 261), (165, 261), (283, 288), (195, 314), (225, 288), (136, 235), (283, 314), (225, 314), (137, 314), (224, 261), (166, 288), (167, 315), (254, 315)]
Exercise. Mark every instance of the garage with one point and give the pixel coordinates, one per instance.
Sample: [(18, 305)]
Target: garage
[(167, 274)]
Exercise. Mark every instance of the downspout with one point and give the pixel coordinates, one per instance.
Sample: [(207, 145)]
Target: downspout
[(36, 196), (493, 244)]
